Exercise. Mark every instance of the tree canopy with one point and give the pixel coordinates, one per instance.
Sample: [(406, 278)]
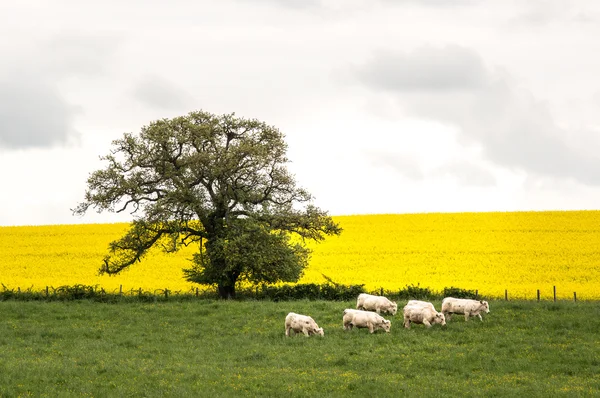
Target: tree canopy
[(218, 181)]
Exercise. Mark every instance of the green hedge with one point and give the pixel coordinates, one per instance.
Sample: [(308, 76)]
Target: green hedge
[(302, 291)]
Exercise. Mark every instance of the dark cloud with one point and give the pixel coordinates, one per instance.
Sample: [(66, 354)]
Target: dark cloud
[(157, 92), (514, 129)]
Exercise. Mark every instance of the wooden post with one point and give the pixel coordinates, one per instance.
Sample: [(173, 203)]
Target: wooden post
[(197, 292), (120, 290), (46, 291), (19, 290), (506, 294), (476, 294), (140, 292), (167, 293), (538, 295), (554, 288), (381, 292), (575, 296)]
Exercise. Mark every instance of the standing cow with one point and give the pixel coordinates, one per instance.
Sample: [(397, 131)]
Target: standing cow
[(420, 303), (302, 324), (365, 319), (422, 314), (379, 304), (468, 307)]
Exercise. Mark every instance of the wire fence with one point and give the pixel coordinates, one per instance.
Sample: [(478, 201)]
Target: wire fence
[(310, 291)]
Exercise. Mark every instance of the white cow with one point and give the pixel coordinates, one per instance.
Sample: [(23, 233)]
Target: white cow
[(365, 319), (420, 303), (468, 307), (379, 304), (302, 324), (422, 314)]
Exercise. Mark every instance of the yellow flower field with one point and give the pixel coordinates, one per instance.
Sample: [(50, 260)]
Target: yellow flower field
[(490, 252)]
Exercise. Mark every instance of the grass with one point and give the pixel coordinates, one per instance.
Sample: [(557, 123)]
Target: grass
[(220, 348)]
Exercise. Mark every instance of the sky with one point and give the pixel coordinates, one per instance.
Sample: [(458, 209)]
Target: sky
[(387, 106)]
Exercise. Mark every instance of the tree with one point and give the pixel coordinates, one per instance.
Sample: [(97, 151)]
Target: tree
[(217, 181)]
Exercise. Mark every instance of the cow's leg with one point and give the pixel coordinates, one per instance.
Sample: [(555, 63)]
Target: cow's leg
[(371, 328), (447, 315), (348, 326), (480, 318), (426, 323), (305, 331), (407, 323), (287, 331), (378, 310), (467, 314)]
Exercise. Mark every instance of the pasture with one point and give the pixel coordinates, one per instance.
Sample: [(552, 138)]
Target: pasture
[(238, 348)]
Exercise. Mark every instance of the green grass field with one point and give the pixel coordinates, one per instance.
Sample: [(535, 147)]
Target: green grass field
[(233, 348)]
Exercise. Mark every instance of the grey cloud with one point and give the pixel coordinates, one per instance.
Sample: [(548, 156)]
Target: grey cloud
[(295, 4), (401, 164), (434, 3), (33, 110), (467, 173), (449, 68), (514, 129), (546, 13), (75, 54), (596, 99), (157, 92), (33, 114)]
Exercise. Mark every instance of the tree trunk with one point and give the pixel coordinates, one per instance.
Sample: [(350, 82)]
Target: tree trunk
[(226, 291)]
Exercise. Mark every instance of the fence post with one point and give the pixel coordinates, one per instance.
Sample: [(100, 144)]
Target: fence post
[(120, 290), (538, 295), (46, 291), (19, 290), (506, 294), (575, 296), (196, 292), (476, 294), (554, 289), (140, 292), (381, 292), (166, 293)]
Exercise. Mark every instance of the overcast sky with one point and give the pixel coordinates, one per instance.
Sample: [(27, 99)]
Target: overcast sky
[(388, 106)]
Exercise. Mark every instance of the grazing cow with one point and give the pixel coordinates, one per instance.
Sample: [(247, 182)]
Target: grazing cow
[(419, 303), (365, 319), (302, 324), (378, 304), (468, 307), (422, 315)]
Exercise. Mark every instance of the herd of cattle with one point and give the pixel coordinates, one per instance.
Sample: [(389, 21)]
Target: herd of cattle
[(369, 308)]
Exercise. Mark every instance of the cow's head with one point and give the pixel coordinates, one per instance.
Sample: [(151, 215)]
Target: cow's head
[(439, 318), (485, 306), (393, 308), (386, 325)]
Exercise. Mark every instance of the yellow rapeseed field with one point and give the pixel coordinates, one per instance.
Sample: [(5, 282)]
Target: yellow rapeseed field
[(517, 251)]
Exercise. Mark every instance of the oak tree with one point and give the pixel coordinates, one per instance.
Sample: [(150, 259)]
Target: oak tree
[(216, 181)]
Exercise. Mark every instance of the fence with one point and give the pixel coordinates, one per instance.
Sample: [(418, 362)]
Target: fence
[(327, 291)]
